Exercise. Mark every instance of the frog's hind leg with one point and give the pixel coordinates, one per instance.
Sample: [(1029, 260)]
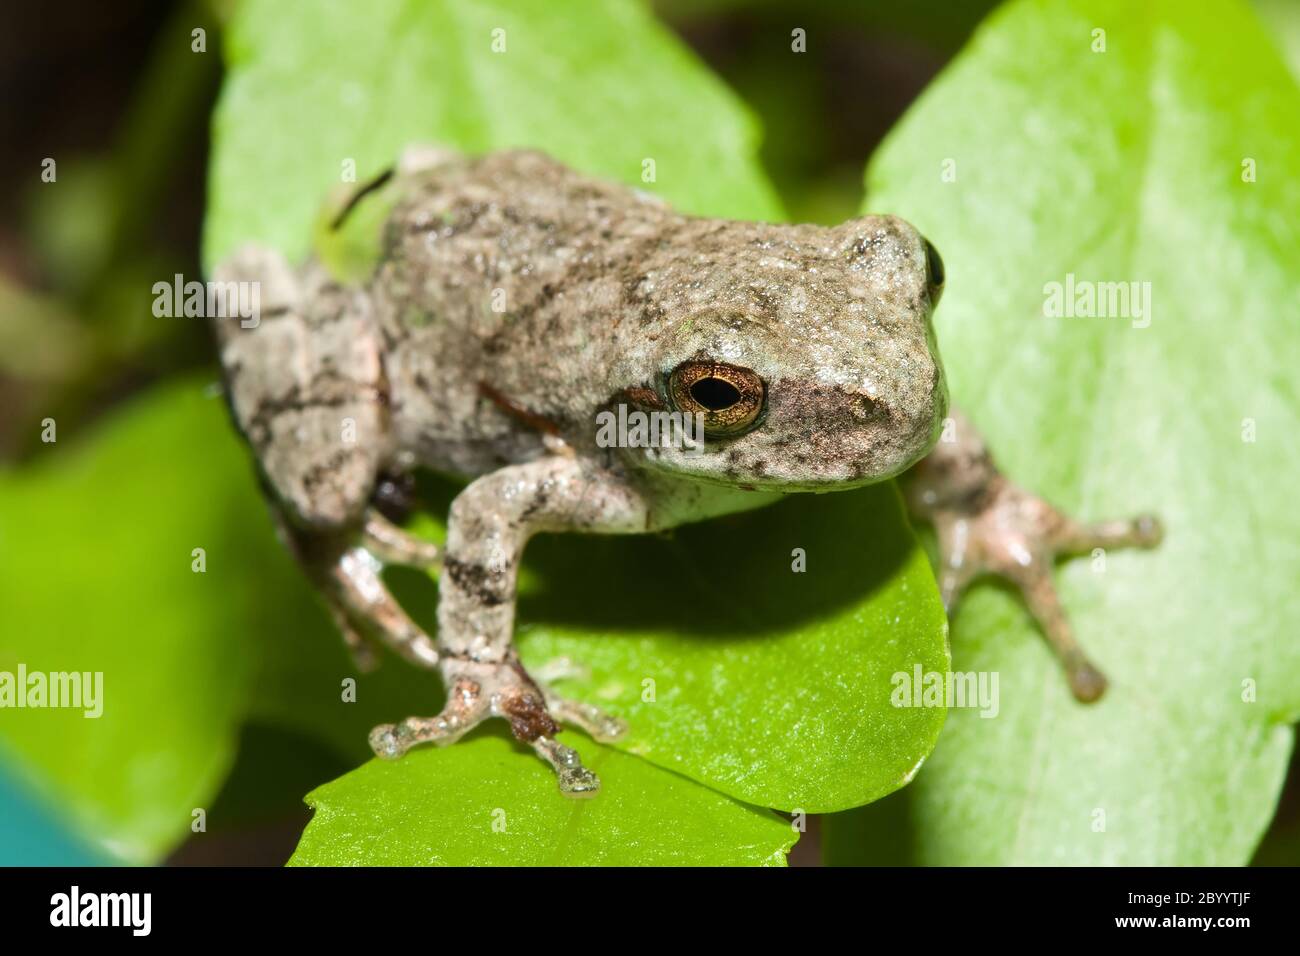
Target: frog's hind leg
[(346, 567), (306, 386), (988, 525)]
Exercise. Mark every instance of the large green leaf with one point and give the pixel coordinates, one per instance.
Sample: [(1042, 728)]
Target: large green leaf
[(603, 90), (478, 804), (771, 685), (1123, 165), (1282, 20)]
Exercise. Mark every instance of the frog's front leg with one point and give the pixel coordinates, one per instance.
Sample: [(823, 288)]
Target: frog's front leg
[(986, 524), (490, 522)]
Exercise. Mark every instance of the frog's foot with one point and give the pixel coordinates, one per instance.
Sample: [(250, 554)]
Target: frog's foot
[(1018, 536), (348, 568), (478, 690), (988, 525), (597, 724), (464, 711)]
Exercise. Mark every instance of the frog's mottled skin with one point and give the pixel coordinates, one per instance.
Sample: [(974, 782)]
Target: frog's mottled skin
[(606, 289), (514, 300)]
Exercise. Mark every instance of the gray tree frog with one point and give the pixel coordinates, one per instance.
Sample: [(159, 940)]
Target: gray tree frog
[(515, 299)]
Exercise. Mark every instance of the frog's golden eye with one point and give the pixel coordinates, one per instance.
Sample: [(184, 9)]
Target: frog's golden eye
[(934, 272), (729, 397)]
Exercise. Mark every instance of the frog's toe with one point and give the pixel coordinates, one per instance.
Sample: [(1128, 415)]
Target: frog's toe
[(1074, 537), (573, 778), (391, 544), (1086, 682), (597, 724), (385, 743), (465, 710), (479, 689), (560, 668)]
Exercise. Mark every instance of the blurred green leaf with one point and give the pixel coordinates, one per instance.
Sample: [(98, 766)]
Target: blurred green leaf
[(1282, 20), (1119, 166), (96, 546), (479, 803), (96, 542), (309, 90), (40, 340)]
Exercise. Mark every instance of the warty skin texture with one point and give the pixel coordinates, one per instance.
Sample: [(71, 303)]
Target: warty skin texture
[(604, 291)]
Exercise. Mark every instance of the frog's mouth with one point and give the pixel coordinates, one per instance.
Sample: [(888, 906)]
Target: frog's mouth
[(780, 485), (818, 462)]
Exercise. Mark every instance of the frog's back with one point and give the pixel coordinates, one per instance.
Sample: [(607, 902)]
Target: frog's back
[(506, 285)]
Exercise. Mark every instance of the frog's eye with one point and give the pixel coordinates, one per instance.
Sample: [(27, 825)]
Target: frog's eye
[(934, 272), (729, 397)]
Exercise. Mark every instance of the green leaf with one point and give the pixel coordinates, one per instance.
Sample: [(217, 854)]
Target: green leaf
[(95, 576), (479, 803), (771, 685), (1118, 166), (96, 557), (1282, 20), (310, 89)]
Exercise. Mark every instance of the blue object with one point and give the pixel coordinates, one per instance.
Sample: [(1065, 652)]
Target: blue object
[(32, 836)]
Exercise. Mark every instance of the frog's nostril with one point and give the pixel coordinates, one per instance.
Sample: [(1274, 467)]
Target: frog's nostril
[(866, 402), (865, 406)]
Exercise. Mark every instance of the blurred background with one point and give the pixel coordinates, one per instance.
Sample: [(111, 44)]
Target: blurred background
[(111, 91)]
